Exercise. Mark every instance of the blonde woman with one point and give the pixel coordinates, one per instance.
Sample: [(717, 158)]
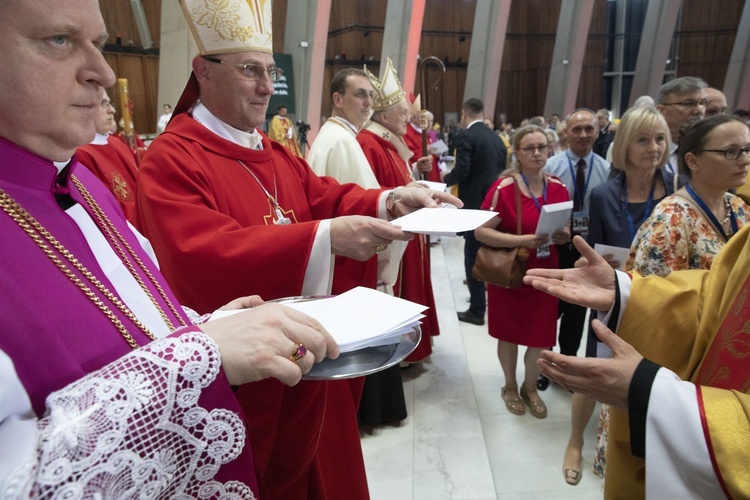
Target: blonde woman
[(618, 208), (687, 230)]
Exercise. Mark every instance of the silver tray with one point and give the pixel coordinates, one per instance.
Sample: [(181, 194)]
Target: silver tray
[(361, 362)]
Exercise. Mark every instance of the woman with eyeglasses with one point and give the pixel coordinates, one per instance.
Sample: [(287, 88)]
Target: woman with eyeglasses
[(523, 316), (688, 229), (618, 207)]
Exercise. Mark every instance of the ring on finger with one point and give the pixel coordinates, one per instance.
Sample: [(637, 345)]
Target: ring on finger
[(298, 353), (380, 248)]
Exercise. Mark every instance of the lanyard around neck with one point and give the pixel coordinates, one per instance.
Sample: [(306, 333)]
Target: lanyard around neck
[(646, 212), (711, 217), (533, 198)]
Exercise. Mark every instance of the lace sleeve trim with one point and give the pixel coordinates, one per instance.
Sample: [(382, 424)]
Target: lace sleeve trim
[(135, 429)]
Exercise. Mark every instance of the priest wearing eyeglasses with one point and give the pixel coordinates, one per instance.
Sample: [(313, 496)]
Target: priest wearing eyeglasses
[(228, 209)]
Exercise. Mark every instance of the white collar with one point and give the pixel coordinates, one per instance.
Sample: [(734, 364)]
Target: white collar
[(202, 115), (346, 123), (60, 165), (415, 127), (472, 123), (100, 140)]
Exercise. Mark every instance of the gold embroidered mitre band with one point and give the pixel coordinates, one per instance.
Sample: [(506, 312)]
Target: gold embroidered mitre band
[(226, 26), (388, 92)]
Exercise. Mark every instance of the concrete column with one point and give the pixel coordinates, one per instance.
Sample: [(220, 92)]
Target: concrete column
[(737, 81), (567, 57), (175, 55), (401, 38), (306, 39), (656, 39), (486, 52)]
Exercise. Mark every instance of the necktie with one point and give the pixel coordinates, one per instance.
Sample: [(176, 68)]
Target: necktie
[(580, 185)]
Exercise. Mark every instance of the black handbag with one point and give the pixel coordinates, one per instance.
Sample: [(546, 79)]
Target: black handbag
[(504, 267)]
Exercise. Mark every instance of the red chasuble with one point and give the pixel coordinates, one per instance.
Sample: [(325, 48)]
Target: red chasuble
[(415, 281), (211, 225), (114, 165), (413, 139)]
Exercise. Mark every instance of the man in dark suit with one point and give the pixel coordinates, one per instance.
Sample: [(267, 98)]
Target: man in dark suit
[(480, 157), (606, 136)]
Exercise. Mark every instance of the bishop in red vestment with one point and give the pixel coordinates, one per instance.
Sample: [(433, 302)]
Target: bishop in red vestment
[(228, 209), (111, 160), (381, 141)]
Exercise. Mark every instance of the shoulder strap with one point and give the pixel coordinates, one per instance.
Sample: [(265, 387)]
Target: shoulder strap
[(496, 195), (518, 202), (518, 205)]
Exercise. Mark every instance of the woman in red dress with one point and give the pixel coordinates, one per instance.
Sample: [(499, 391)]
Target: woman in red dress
[(523, 316)]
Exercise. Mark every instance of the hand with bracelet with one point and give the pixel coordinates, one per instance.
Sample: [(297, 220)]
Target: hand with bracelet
[(404, 200)]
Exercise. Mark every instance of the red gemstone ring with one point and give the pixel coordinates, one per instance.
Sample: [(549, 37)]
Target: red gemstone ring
[(298, 353)]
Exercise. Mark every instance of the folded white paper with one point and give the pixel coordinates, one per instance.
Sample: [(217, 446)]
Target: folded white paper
[(359, 318), (620, 254), (437, 148), (435, 186), (443, 221), (553, 218), (363, 317)]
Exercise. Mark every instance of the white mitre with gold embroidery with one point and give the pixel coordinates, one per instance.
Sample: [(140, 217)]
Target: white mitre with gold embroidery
[(388, 92), (226, 26)]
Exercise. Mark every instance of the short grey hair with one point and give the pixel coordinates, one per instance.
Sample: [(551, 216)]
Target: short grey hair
[(681, 85), (644, 100)]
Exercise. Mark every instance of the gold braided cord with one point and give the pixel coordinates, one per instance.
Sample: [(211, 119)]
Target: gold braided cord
[(39, 234), (116, 239)]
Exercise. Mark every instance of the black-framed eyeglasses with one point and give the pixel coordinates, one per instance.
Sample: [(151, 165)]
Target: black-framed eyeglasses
[(106, 103), (252, 71), (363, 94), (730, 153), (531, 149), (690, 103)]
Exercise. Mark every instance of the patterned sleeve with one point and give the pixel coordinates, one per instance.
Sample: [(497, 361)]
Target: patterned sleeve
[(135, 428), (662, 244)]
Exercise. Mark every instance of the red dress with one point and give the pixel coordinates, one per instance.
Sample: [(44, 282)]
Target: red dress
[(523, 316)]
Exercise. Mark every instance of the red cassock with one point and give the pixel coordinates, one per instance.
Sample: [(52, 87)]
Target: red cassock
[(211, 225), (415, 280), (114, 165), (413, 139)]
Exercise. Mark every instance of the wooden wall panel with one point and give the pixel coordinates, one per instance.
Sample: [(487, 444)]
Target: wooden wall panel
[(705, 39), (706, 36), (142, 73), (118, 18)]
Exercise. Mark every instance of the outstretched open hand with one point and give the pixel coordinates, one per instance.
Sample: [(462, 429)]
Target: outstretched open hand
[(606, 380), (591, 286)]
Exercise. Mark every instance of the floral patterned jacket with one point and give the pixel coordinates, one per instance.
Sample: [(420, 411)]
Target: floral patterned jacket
[(678, 236)]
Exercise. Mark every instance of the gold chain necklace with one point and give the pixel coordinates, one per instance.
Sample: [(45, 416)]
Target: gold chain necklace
[(115, 238), (39, 234)]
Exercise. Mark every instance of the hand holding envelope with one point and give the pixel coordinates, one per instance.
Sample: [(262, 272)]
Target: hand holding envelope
[(443, 221)]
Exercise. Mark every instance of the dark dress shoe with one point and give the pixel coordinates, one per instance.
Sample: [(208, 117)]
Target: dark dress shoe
[(542, 383), (468, 317)]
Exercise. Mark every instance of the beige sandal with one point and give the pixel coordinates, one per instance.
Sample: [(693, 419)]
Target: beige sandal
[(537, 408), (572, 473), (515, 406)]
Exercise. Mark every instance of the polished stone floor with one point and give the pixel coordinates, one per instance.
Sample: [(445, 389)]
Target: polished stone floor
[(459, 441)]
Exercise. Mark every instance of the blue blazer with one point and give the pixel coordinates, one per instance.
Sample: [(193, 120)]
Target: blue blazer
[(608, 221)]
